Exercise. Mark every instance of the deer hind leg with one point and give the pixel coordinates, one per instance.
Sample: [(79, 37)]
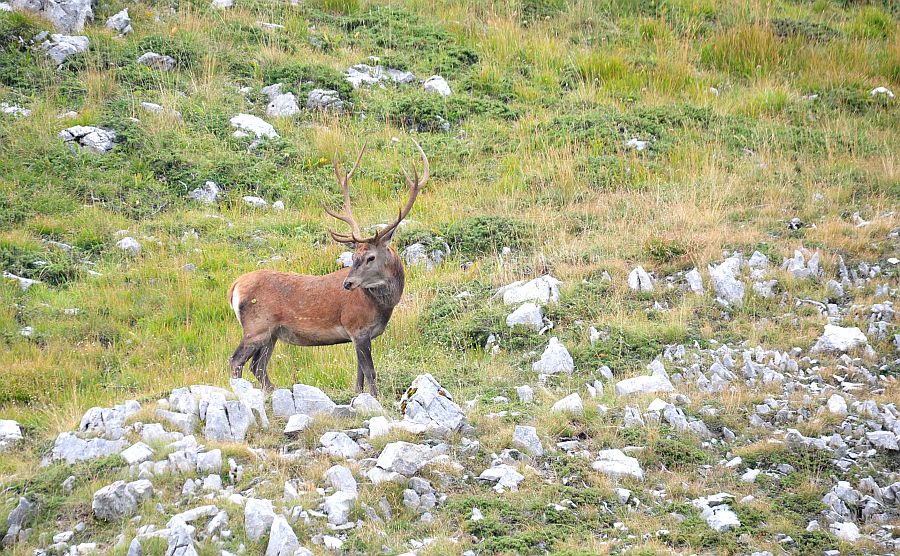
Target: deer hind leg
[(260, 363)]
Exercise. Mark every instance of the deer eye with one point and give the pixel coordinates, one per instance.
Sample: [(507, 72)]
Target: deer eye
[(370, 258)]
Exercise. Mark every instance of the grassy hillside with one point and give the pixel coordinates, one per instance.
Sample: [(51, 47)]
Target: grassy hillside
[(755, 113)]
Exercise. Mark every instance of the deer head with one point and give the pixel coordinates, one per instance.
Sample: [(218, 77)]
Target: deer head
[(374, 260)]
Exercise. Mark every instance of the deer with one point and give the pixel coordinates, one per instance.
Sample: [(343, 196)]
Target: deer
[(353, 304)]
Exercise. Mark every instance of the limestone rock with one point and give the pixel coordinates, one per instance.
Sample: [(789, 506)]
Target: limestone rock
[(282, 538), (437, 84), (247, 124), (640, 280), (427, 403), (571, 404), (644, 385), (67, 16), (92, 138), (839, 339), (120, 22), (528, 315), (544, 289), (259, 515), (555, 359), (616, 464), (156, 61), (10, 433), (120, 499), (526, 439)]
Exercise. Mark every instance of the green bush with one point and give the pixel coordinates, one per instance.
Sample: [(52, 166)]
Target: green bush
[(38, 262), (302, 78), (483, 235)]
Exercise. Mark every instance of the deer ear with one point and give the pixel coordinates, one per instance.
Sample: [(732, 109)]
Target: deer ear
[(387, 236)]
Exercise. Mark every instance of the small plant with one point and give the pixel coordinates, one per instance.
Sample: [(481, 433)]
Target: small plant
[(482, 235), (664, 249)]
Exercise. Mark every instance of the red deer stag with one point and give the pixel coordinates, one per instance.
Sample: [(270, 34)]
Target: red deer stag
[(349, 305)]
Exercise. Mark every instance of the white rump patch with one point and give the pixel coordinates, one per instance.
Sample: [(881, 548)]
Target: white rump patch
[(236, 303)]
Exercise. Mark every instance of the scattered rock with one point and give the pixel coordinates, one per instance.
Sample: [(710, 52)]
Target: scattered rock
[(437, 84), (427, 403), (247, 124), (695, 281), (259, 515), (526, 439), (72, 449), (297, 423), (614, 463), (881, 91), (324, 100), (208, 194), (60, 47), (728, 288), (555, 359), (10, 433), (503, 476), (17, 521), (120, 499), (839, 339), (121, 22), (155, 61), (129, 245), (363, 74), (282, 538), (644, 385), (283, 106), (67, 16), (92, 138), (640, 280), (571, 404), (544, 289)]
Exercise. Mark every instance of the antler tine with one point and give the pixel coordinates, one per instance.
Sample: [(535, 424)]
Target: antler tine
[(347, 215), (415, 185)]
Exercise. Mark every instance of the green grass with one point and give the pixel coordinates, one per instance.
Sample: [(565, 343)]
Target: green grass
[(546, 94)]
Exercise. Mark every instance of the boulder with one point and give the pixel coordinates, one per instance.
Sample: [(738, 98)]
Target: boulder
[(728, 288), (297, 423), (17, 520), (324, 100), (427, 403), (155, 61), (341, 479), (366, 404), (209, 462), (208, 194), (227, 422), (526, 439), (614, 463), (72, 449), (503, 476), (137, 453), (338, 444), (247, 124), (845, 530), (10, 433), (404, 458), (525, 393), (716, 512), (255, 202), (120, 22), (837, 405), (555, 359), (253, 398), (695, 281), (338, 506), (437, 84), (364, 74), (640, 280), (67, 16), (282, 106), (544, 289), (644, 385), (120, 499), (282, 538), (129, 246), (259, 515), (885, 440), (840, 339), (92, 138), (571, 404), (528, 315), (311, 401)]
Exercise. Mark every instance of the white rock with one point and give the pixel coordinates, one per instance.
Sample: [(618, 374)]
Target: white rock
[(73, 449), (120, 22), (311, 401), (839, 339), (209, 462), (338, 444), (640, 280), (837, 405), (364, 74), (366, 404), (503, 476), (338, 506), (67, 16), (555, 359), (282, 538), (10, 433), (437, 84), (258, 518), (544, 289), (614, 463), (427, 403), (120, 499), (528, 315), (24, 283), (129, 245), (250, 124), (526, 439), (222, 4), (570, 404), (160, 62), (255, 202), (208, 194), (846, 531), (882, 91), (278, 206), (725, 283), (883, 439), (695, 281), (637, 144), (137, 453), (297, 423), (341, 479), (60, 47), (404, 458), (324, 100), (643, 385), (92, 138), (525, 393), (283, 106)]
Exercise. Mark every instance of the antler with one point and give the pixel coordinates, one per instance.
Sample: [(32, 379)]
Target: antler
[(347, 215), (416, 184)]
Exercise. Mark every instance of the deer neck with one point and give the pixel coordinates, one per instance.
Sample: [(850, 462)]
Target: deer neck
[(387, 295)]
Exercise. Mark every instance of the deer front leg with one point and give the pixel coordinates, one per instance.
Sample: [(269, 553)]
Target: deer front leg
[(365, 365)]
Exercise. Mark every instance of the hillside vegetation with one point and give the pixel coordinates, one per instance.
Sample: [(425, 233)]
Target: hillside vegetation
[(763, 134)]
